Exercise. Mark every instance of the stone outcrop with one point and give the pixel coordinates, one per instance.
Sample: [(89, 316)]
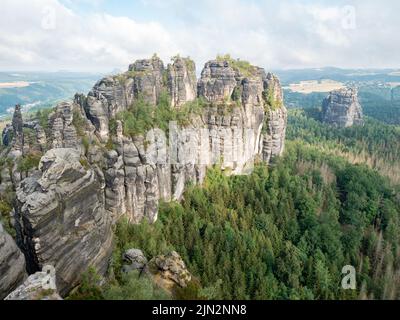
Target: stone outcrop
[(7, 134), (12, 264), (182, 81), (342, 109), (92, 174), (63, 132), (274, 130), (108, 97), (38, 286), (243, 115), (135, 260), (62, 220), (17, 124), (217, 81), (149, 79), (111, 95), (169, 271)]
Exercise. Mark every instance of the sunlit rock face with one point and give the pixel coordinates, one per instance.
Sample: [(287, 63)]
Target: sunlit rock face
[(342, 108)]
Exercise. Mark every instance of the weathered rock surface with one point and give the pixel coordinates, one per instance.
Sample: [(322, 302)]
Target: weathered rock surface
[(217, 82), (7, 134), (91, 176), (62, 220), (169, 271), (17, 124), (245, 121), (136, 260), (108, 97), (63, 132), (149, 79), (182, 81), (39, 286), (12, 264), (341, 108)]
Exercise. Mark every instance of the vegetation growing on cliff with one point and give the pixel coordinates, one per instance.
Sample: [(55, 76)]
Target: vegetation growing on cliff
[(131, 286), (270, 102), (29, 161), (142, 117), (244, 67), (7, 199)]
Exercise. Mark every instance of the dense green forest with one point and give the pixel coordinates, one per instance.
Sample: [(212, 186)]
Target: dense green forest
[(283, 232), (375, 144)]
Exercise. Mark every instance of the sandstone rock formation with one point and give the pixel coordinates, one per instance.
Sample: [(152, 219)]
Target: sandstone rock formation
[(12, 264), (92, 173), (136, 260), (7, 134), (62, 131), (341, 108), (166, 271), (61, 218), (182, 81), (39, 286), (169, 271), (148, 75), (17, 125)]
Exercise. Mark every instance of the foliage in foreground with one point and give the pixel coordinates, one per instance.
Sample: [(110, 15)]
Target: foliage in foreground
[(132, 286)]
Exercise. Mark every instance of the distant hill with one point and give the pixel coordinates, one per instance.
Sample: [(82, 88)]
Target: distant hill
[(343, 75), (35, 90)]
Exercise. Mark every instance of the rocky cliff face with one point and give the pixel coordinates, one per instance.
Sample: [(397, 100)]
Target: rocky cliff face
[(12, 264), (38, 286), (243, 121), (62, 219), (91, 173), (182, 81), (341, 108)]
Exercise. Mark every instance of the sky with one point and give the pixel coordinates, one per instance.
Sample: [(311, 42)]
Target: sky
[(106, 35)]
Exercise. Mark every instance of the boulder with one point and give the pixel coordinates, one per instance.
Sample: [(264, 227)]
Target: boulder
[(136, 260), (169, 271), (38, 286)]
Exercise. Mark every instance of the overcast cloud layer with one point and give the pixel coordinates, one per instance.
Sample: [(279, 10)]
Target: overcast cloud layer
[(97, 35)]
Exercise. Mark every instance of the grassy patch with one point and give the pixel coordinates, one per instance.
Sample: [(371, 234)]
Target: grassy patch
[(244, 67)]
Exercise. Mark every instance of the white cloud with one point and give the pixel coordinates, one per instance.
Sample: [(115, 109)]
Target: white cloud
[(96, 41), (282, 34)]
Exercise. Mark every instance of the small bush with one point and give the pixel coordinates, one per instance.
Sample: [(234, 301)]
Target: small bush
[(28, 162), (244, 67), (89, 288), (135, 287)]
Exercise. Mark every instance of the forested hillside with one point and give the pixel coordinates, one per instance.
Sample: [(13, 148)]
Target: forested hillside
[(375, 144), (285, 232)]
